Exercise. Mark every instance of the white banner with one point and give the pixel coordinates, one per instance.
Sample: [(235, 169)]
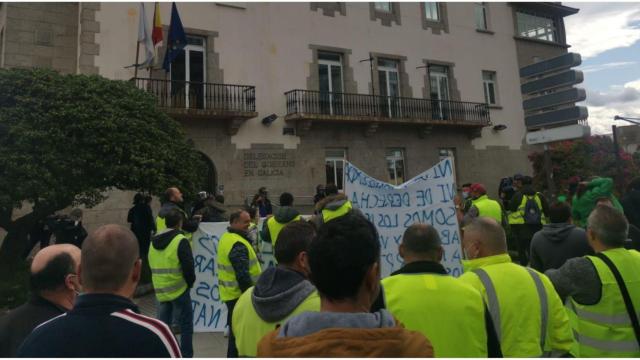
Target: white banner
[(209, 312), (427, 198)]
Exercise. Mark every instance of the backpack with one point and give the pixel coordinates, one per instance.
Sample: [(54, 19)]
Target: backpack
[(532, 214)]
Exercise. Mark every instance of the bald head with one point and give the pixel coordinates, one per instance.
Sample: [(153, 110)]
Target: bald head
[(173, 194), (51, 266), (421, 241), (487, 235), (108, 257)]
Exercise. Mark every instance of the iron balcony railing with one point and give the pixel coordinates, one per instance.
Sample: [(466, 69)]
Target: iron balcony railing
[(197, 95), (358, 105)]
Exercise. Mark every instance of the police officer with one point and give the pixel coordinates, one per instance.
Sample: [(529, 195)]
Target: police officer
[(527, 312), (601, 314), (238, 267), (424, 298)]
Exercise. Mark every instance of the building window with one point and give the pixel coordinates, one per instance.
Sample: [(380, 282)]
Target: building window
[(330, 77), (439, 91), (431, 11), (395, 166), (389, 87), (383, 6), (481, 16), (535, 26), (449, 153), (334, 165), (489, 84), (188, 74)]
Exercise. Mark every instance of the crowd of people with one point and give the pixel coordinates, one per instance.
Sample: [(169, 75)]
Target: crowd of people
[(574, 290)]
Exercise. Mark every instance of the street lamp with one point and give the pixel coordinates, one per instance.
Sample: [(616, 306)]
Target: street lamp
[(635, 121)]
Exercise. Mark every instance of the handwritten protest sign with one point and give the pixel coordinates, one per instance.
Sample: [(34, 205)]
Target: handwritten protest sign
[(427, 198), (209, 312)]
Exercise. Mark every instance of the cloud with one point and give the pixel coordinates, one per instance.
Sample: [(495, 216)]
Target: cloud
[(600, 27), (617, 100), (606, 66)]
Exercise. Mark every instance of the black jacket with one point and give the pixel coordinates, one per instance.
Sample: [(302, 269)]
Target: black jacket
[(631, 205), (429, 267), (18, 324), (239, 258), (189, 225), (185, 256), (101, 325), (141, 218)]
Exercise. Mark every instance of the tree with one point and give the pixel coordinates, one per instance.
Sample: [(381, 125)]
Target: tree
[(67, 139), (592, 156)]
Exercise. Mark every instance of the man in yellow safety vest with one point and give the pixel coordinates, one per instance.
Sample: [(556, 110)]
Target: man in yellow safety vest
[(173, 275), (527, 312), (284, 215), (280, 292), (482, 205), (238, 267), (603, 291), (424, 298), (173, 201)]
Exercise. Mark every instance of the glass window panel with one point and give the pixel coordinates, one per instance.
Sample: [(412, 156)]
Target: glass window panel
[(323, 74), (335, 153), (193, 40), (395, 166), (339, 173), (382, 62), (383, 6), (336, 79), (481, 16), (536, 26), (329, 56), (431, 11)]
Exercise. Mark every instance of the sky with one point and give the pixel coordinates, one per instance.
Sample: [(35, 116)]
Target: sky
[(607, 36)]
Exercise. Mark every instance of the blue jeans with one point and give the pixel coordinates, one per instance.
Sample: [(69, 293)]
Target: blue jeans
[(182, 306)]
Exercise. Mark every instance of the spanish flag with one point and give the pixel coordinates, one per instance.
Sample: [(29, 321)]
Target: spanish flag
[(156, 33)]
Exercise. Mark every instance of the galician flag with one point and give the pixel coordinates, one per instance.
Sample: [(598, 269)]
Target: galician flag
[(144, 38)]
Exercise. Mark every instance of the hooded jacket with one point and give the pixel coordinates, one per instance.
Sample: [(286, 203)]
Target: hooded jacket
[(283, 215), (556, 243), (278, 292), (584, 204), (162, 240), (332, 202), (328, 334)]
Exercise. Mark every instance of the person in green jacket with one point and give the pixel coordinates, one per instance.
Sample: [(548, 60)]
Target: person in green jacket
[(585, 199)]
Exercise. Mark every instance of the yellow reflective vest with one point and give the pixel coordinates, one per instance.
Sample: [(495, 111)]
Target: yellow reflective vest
[(488, 207), (227, 282), (166, 273), (249, 327), (447, 311), (527, 313), (328, 215), (604, 329), (517, 217), (161, 225), (275, 227)]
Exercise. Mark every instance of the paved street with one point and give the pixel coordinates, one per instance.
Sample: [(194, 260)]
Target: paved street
[(204, 344)]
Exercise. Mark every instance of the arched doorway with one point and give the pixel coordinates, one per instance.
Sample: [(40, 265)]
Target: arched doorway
[(210, 181)]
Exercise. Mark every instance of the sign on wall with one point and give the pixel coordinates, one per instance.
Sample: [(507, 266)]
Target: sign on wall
[(427, 198)]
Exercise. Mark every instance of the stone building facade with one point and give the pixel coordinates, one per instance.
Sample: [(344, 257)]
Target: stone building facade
[(390, 87)]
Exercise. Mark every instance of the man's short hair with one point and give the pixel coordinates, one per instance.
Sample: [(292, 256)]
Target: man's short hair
[(235, 216), (168, 193), (108, 256), (559, 212), (491, 233), (331, 189), (421, 239), (603, 199), (340, 256), (52, 276), (173, 218), (286, 199), (293, 239), (609, 225)]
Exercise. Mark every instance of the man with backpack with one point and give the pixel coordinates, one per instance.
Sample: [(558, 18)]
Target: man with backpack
[(527, 212)]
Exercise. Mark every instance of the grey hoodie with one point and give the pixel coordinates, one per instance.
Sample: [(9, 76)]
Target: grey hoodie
[(556, 243), (278, 292), (309, 323), (283, 215)]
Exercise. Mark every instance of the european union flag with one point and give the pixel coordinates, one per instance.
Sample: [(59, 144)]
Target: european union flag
[(177, 39)]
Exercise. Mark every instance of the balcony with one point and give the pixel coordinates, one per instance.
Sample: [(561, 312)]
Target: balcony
[(304, 107), (195, 100)]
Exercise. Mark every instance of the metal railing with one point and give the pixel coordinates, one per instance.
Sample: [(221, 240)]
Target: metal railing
[(197, 95), (358, 105)]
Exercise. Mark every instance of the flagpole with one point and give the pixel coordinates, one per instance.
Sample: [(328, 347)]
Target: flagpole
[(135, 72)]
